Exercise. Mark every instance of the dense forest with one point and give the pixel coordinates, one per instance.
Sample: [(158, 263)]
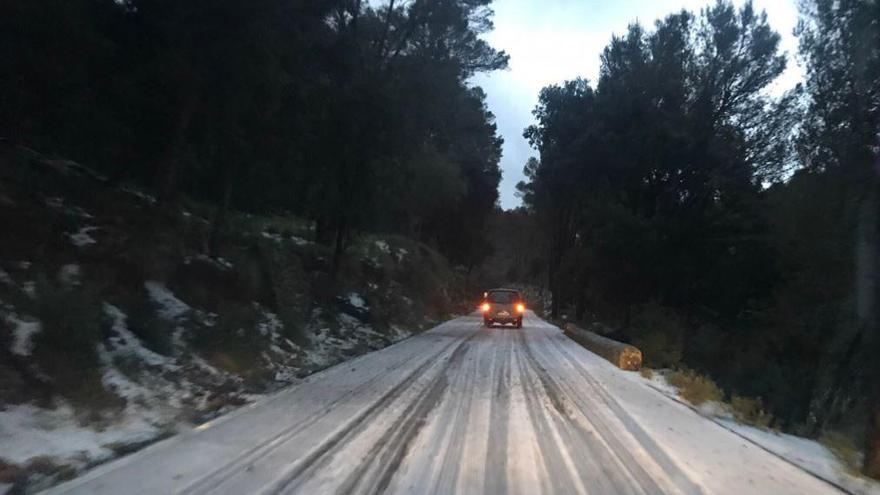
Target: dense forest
[(355, 117), (716, 226)]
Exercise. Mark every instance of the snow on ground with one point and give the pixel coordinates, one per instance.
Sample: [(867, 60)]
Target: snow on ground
[(140, 194), (125, 343), (401, 254), (5, 278), (23, 332), (271, 236), (807, 454), (70, 274), (462, 409), (27, 431), (357, 301), (218, 262), (170, 307), (299, 241), (382, 246), (82, 237), (29, 288)]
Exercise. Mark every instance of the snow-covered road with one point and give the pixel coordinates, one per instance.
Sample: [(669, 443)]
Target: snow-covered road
[(459, 409)]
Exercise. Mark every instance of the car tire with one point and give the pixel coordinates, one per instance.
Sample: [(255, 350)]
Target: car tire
[(518, 323), (487, 323)]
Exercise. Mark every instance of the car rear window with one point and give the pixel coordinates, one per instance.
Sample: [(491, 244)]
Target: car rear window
[(502, 297)]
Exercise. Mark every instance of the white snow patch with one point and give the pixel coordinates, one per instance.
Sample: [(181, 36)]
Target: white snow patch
[(82, 237), (140, 194), (5, 278), (70, 274), (383, 246), (271, 236), (299, 241), (270, 325), (22, 334), (82, 213), (219, 261), (170, 307), (125, 343), (27, 431), (400, 333), (357, 301), (30, 288)]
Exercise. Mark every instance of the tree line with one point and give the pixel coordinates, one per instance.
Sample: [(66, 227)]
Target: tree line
[(718, 226), (353, 115)]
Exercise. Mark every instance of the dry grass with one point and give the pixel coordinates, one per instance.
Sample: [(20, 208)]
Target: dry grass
[(693, 387), (647, 373), (844, 448), (750, 411)]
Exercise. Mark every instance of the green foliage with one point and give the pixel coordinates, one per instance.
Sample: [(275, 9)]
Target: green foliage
[(337, 111), (694, 387)]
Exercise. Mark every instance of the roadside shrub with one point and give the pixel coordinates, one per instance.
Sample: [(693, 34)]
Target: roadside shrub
[(658, 332), (234, 345), (693, 387), (750, 411), (66, 348), (144, 321), (844, 448)]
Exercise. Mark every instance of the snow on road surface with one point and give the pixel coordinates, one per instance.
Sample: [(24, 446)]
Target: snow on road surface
[(459, 409)]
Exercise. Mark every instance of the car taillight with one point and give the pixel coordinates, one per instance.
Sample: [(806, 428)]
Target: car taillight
[(485, 307), (520, 308)]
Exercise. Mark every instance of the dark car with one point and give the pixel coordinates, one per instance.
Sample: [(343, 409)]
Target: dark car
[(503, 306)]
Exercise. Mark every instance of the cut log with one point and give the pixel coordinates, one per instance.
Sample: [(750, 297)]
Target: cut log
[(624, 356)]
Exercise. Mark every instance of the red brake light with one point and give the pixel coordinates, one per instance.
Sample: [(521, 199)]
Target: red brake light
[(485, 307), (520, 308)]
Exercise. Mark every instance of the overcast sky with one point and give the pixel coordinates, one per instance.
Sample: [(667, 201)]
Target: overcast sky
[(550, 41)]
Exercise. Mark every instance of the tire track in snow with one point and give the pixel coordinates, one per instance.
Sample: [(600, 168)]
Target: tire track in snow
[(556, 466), (377, 470), (458, 409), (609, 448), (495, 480), (558, 345), (300, 470), (212, 480)]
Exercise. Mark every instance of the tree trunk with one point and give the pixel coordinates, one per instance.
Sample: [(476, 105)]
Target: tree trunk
[(171, 165), (339, 246), (221, 213)]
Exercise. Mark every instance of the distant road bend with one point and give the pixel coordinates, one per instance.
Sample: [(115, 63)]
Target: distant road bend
[(458, 409)]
